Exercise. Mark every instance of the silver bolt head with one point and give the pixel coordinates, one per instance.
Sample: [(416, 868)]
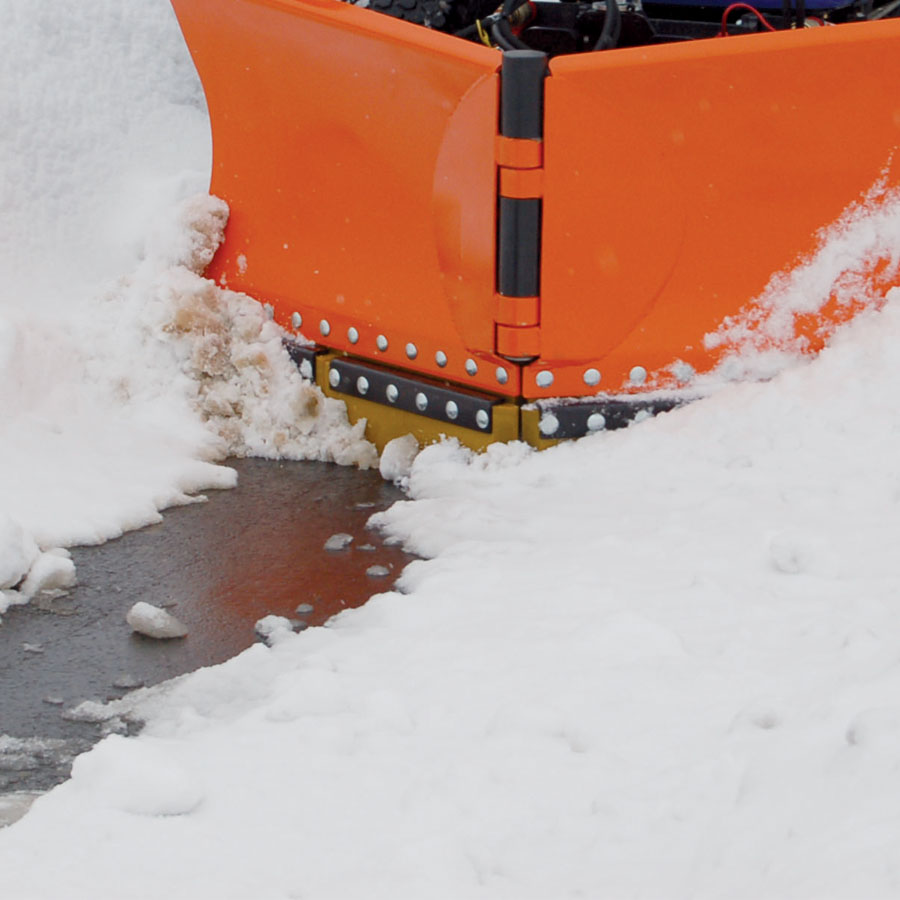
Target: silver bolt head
[(324, 327), (391, 393), (502, 375), (412, 351), (352, 335), (362, 384), (440, 358), (471, 367), (334, 377), (544, 379), (451, 409), (296, 320), (421, 402), (591, 377), (638, 375), (381, 342), (596, 422), (548, 424), (482, 419)]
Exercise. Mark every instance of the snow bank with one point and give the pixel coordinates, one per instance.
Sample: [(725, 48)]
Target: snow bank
[(124, 375), (154, 380), (659, 662)]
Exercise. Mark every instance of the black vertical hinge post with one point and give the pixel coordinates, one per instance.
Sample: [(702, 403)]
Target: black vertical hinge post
[(519, 220)]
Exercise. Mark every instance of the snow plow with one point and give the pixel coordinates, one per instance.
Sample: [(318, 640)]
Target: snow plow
[(532, 221)]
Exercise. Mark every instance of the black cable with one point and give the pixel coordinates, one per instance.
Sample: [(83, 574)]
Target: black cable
[(503, 36), (612, 27)]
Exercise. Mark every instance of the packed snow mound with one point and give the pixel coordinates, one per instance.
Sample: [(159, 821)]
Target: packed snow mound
[(247, 388), (138, 778), (162, 375)]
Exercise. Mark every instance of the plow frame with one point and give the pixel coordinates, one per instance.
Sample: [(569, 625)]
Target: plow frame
[(524, 229)]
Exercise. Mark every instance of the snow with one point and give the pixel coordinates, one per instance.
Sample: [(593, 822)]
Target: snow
[(397, 458), (124, 375), (658, 662), (154, 622)]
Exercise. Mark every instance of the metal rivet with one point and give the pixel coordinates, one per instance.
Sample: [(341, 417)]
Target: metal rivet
[(334, 378), (596, 422), (391, 393), (544, 379), (591, 377), (381, 342), (412, 351), (352, 335), (502, 375), (440, 358), (325, 327), (638, 375), (421, 402), (451, 409), (471, 367), (549, 424), (362, 384), (296, 320), (482, 419)]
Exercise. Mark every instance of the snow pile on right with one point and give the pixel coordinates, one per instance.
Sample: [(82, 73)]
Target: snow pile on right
[(659, 662)]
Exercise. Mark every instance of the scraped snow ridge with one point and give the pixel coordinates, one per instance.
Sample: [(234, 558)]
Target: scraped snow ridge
[(857, 258), (168, 365)]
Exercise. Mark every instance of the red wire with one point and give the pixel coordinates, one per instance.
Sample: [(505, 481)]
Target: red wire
[(723, 31)]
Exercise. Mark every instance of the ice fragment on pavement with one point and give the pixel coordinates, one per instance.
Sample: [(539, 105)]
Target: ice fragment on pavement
[(33, 648), (127, 682), (304, 609), (149, 620), (378, 571), (340, 541)]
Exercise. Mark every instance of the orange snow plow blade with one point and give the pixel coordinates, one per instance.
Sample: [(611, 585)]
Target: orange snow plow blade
[(460, 228)]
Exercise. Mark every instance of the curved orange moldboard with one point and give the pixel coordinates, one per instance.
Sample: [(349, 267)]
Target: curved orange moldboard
[(678, 179), (356, 153)]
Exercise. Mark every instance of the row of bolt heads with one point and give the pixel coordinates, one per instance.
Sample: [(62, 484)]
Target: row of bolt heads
[(544, 378), (391, 393)]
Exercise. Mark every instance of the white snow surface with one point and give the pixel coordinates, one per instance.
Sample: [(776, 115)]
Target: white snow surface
[(124, 375), (654, 663)]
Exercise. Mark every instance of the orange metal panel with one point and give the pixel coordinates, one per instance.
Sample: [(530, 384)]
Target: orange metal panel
[(518, 343), (679, 178), (522, 183), (517, 310), (519, 153), (356, 153)]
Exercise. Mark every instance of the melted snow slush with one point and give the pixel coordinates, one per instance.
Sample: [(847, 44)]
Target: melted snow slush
[(219, 566)]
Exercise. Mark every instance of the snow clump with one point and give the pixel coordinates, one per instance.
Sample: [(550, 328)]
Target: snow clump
[(397, 458), (150, 620)]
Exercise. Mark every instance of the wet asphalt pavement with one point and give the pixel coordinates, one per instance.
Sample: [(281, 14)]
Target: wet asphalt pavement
[(219, 566)]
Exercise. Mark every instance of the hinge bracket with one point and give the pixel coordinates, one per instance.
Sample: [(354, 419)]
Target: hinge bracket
[(519, 156)]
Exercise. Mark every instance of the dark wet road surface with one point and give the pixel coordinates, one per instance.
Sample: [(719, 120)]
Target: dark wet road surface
[(218, 566)]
